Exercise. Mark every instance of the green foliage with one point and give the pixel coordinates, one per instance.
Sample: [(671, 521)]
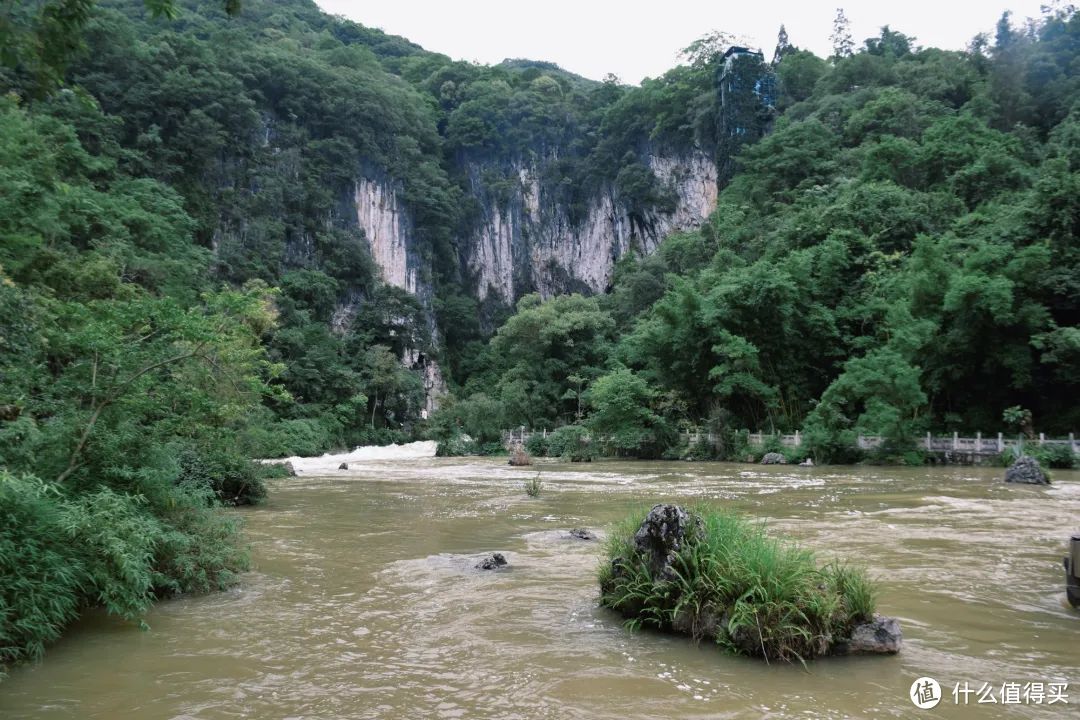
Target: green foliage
[(39, 583), (63, 551), (478, 416), (533, 486), (621, 414), (1051, 455), (537, 445), (754, 594), (543, 357), (457, 446), (234, 479), (570, 442)]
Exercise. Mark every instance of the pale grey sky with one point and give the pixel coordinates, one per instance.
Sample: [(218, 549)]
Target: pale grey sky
[(641, 39)]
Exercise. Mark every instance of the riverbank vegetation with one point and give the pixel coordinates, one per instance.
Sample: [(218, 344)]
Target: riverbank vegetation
[(729, 581)]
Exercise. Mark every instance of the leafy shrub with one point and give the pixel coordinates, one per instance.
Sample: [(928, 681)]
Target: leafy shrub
[(197, 551), (113, 538), (733, 444), (39, 582), (381, 436), (235, 480), (753, 594), (537, 445), (828, 446), (533, 486), (1057, 456), (570, 442), (299, 436), (457, 446)]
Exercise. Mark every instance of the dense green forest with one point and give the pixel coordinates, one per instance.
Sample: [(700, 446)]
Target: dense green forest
[(897, 256), (182, 287)]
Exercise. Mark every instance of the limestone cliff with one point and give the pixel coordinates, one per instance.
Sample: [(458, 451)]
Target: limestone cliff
[(525, 240), (528, 242), (389, 231)]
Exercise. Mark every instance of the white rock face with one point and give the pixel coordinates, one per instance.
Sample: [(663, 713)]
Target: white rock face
[(694, 179), (527, 241), (388, 228), (389, 232), (532, 243)]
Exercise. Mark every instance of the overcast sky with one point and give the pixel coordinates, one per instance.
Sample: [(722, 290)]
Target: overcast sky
[(638, 39)]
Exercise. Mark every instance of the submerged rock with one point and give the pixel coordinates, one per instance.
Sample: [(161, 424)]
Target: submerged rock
[(494, 561), (880, 636), (661, 536), (343, 466), (1026, 469), (582, 534), (774, 458)]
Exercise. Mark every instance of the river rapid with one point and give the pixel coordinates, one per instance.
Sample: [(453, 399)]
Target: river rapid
[(363, 602)]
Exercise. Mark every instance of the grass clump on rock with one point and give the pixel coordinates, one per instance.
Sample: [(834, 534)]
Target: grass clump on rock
[(715, 575)]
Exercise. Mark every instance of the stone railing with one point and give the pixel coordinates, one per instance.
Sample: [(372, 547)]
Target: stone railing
[(978, 445)]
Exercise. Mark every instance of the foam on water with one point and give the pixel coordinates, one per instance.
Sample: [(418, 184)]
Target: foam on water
[(330, 462)]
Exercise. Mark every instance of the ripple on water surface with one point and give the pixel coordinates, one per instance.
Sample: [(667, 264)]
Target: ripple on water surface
[(365, 603)]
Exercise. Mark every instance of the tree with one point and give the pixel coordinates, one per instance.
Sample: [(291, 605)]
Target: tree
[(783, 46), (386, 379), (843, 44), (621, 415), (546, 351), (38, 40), (878, 394)]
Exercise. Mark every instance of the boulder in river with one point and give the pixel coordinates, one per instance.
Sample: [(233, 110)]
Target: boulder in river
[(1026, 469), (662, 535), (289, 469), (343, 466), (494, 561), (582, 534), (774, 458), (880, 636)]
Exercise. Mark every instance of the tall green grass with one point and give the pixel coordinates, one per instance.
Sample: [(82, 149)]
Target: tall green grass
[(752, 593)]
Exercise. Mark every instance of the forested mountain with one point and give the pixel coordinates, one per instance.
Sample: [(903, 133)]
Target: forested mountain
[(231, 232), (398, 199), (898, 255)]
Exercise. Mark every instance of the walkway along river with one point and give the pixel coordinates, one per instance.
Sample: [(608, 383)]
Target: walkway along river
[(364, 604)]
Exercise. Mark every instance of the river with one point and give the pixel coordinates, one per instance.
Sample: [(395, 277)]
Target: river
[(363, 602)]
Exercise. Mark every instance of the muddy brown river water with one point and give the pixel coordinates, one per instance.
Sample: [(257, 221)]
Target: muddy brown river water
[(363, 604)]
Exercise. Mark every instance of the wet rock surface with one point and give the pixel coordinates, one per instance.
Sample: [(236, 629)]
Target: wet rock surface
[(662, 534), (774, 458), (582, 534), (1026, 470), (880, 636), (494, 561), (343, 466)]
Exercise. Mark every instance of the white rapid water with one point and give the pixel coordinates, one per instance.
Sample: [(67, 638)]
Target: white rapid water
[(331, 462)]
